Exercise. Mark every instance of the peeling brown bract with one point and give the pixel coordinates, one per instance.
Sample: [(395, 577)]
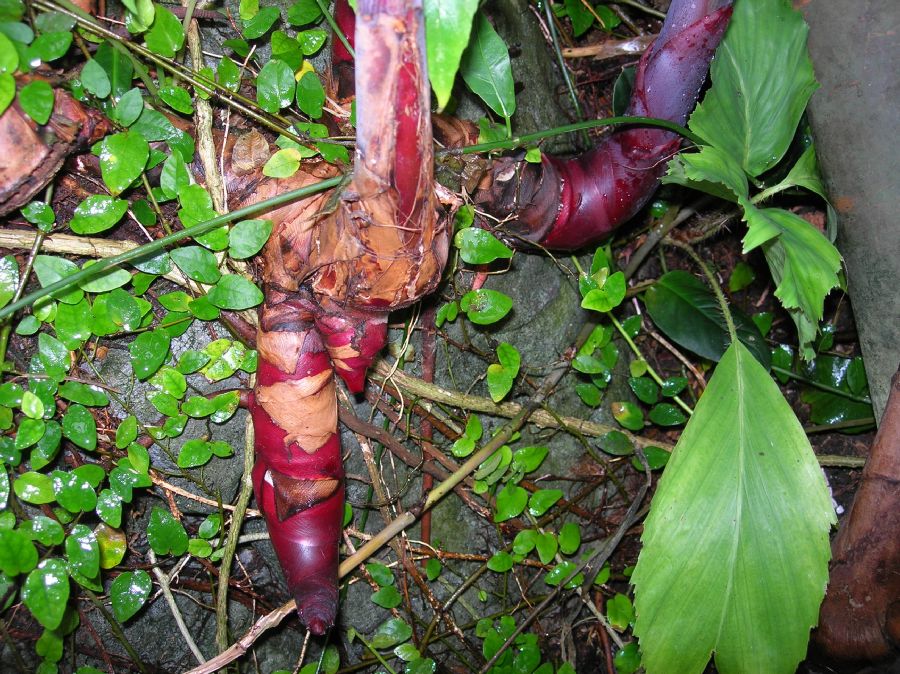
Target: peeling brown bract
[(293, 496), (281, 349), (304, 408), (70, 128)]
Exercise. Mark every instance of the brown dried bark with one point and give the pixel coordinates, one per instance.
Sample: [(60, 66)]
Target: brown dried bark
[(860, 618)]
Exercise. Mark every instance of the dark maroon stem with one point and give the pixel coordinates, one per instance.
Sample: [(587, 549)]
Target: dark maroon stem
[(565, 204)]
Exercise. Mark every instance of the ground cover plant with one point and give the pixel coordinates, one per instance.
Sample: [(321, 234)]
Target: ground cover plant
[(114, 504)]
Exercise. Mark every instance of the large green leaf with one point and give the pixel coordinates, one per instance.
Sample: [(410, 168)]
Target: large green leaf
[(804, 265), (688, 312), (447, 28), (486, 69), (735, 556), (762, 79)]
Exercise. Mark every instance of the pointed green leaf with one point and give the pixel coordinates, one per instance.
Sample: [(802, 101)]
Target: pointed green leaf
[(735, 556), (762, 79), (447, 29), (485, 67)]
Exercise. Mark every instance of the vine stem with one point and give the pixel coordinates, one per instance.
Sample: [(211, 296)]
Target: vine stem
[(116, 628), (517, 141), (231, 542), (163, 581), (106, 263), (653, 374), (596, 558)]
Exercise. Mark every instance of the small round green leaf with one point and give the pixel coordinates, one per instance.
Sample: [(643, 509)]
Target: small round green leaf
[(478, 246), (511, 502), (129, 592), (484, 306), (97, 213), (234, 292), (46, 592), (79, 426), (166, 534), (36, 100)]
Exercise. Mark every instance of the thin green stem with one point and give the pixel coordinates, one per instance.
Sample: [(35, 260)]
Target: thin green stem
[(517, 141), (823, 387), (155, 246), (116, 628), (29, 265), (570, 87), (329, 17), (232, 540), (713, 282), (653, 374)]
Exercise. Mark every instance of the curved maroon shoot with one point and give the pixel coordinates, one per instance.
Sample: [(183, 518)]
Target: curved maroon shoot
[(565, 204), (332, 274)]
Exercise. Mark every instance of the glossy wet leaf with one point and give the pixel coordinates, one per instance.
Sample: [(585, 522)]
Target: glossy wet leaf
[(50, 269), (569, 538), (542, 500), (82, 551), (129, 592), (225, 357), (123, 157), (194, 453), (619, 611), (485, 306), (478, 246), (166, 534), (260, 23), (82, 393), (687, 311), (646, 390), (44, 530), (627, 659), (608, 296), (560, 572), (197, 263), (527, 459), (546, 546), (9, 278), (500, 376), (234, 292), (656, 458), (628, 415), (148, 352), (666, 414), (486, 68), (511, 502), (387, 597), (46, 592), (73, 492), (36, 100), (109, 508), (391, 633), (275, 86), (78, 425), (112, 545), (310, 95), (95, 79), (753, 535), (177, 98), (33, 487), (97, 213)]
